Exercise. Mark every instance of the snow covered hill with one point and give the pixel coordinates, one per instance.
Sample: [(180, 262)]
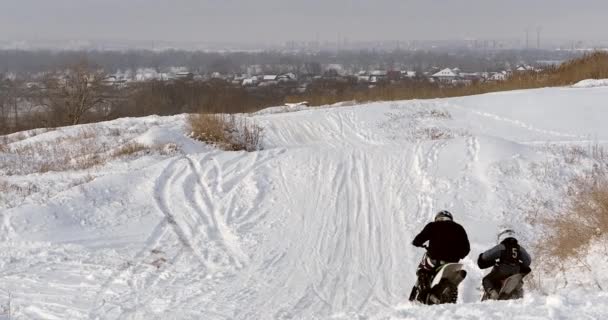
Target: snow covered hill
[(318, 225)]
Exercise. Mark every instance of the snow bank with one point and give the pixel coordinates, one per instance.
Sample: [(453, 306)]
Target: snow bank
[(591, 83), (316, 226)]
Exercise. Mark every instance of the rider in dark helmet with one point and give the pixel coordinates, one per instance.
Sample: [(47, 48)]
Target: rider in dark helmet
[(507, 258), (448, 242)]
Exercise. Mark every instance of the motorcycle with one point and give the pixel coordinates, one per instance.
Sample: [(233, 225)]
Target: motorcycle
[(443, 286), (511, 288)]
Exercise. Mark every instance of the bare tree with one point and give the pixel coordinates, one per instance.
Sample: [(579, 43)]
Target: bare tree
[(9, 102), (71, 93), (3, 107)]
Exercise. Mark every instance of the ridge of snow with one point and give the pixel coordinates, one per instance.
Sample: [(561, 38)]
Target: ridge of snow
[(315, 226), (591, 83)]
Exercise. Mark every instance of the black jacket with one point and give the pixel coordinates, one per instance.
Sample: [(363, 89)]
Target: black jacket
[(447, 241)]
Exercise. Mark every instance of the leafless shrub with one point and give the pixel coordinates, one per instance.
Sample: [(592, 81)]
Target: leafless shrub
[(129, 149), (9, 191), (3, 144), (168, 149), (226, 131), (434, 133), (433, 113)]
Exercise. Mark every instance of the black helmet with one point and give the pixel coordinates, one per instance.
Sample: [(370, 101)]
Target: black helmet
[(444, 215)]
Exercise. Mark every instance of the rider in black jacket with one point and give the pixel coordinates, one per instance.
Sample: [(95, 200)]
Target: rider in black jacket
[(448, 242)]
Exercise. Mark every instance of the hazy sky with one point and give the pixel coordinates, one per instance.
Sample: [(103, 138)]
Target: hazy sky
[(280, 20)]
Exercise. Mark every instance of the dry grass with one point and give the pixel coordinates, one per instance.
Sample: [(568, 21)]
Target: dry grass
[(79, 151), (128, 149), (11, 192), (227, 132), (590, 66), (583, 216), (3, 144), (571, 228), (584, 219), (60, 154), (434, 133)]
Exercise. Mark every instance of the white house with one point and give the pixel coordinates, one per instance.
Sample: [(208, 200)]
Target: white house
[(252, 81), (287, 77), (269, 77), (377, 76), (446, 75), (408, 74), (498, 76)]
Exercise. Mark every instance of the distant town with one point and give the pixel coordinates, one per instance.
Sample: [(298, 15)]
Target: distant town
[(256, 78)]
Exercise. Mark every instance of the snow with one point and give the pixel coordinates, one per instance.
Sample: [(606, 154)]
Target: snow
[(591, 83), (317, 225)]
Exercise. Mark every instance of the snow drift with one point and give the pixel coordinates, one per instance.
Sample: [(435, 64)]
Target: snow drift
[(317, 225), (591, 83)]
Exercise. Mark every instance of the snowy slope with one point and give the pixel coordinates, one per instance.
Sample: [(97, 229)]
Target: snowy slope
[(318, 225)]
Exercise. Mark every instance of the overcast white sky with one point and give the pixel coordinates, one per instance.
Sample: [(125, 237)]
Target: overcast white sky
[(280, 20)]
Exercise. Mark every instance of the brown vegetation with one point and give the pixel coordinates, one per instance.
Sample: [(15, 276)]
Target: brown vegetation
[(68, 96), (590, 66), (78, 94), (129, 149), (227, 132), (581, 218), (79, 151), (584, 218), (571, 229)]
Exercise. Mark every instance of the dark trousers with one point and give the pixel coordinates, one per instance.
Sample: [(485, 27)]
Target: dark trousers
[(493, 280)]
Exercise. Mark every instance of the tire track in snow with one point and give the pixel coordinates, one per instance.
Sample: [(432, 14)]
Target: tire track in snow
[(217, 232), (519, 123), (423, 164), (162, 193), (159, 234), (127, 268), (214, 204), (151, 243), (185, 231)]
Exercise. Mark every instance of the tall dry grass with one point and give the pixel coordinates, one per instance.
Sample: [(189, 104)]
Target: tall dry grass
[(583, 219), (572, 230), (590, 66), (228, 132), (580, 221), (82, 150)]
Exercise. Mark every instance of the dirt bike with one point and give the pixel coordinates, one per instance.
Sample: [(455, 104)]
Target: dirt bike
[(511, 288), (443, 286)]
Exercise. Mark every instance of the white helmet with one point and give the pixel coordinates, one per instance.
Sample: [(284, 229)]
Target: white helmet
[(505, 234)]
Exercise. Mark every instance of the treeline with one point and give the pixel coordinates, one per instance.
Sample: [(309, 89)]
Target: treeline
[(589, 66), (79, 95), (30, 62)]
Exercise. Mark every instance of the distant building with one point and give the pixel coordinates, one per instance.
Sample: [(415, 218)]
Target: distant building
[(498, 76), (250, 82), (377, 76), (184, 75), (446, 75), (269, 77), (408, 74), (287, 77)]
